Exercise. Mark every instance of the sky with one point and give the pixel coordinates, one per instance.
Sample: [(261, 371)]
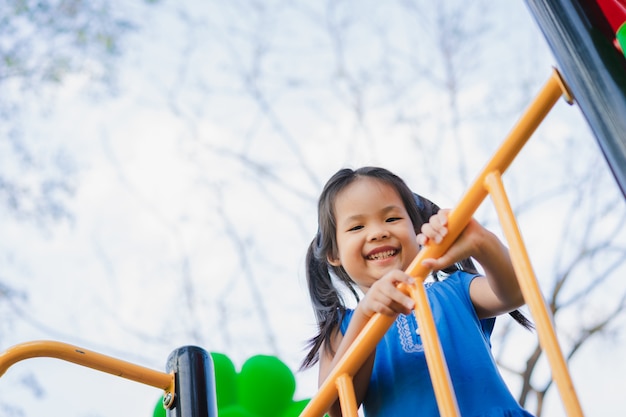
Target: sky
[(196, 184)]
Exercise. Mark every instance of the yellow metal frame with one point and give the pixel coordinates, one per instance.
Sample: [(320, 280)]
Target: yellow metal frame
[(338, 384), (89, 359)]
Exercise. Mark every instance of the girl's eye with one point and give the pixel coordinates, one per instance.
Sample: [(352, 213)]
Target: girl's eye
[(392, 219), (359, 227)]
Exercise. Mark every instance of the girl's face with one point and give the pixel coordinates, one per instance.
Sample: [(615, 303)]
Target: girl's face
[(374, 231)]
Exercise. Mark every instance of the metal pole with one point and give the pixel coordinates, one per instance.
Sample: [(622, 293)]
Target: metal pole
[(532, 295), (579, 37), (87, 358), (195, 383)]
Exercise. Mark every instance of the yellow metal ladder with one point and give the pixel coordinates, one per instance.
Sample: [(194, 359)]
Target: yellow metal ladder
[(339, 383)]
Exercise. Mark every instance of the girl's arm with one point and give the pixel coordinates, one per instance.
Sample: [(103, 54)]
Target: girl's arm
[(383, 297), (340, 344), (498, 291)]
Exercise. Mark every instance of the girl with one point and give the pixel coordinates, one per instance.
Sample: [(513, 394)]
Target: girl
[(369, 233)]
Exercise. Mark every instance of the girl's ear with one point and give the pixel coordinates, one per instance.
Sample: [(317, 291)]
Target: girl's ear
[(333, 261)]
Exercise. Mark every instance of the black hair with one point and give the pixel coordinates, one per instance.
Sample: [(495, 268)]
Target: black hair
[(327, 301)]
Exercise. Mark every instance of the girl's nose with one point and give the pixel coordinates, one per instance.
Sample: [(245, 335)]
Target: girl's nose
[(379, 233)]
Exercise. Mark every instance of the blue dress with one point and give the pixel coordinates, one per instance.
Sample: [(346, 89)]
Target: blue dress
[(400, 384)]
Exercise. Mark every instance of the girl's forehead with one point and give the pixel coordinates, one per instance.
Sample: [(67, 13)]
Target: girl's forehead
[(369, 185), (365, 191)]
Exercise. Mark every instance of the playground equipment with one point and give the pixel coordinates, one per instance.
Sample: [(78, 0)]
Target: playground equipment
[(197, 384), (188, 385), (264, 387), (589, 49)]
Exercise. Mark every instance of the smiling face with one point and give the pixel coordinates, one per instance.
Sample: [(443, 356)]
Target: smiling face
[(374, 231)]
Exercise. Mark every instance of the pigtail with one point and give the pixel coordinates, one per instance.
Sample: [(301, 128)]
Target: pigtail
[(519, 317), (327, 302), (426, 209)]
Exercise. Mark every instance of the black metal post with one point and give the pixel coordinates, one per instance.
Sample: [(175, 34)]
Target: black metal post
[(580, 38), (195, 383)]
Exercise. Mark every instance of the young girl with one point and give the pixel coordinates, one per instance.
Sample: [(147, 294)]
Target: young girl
[(371, 227)]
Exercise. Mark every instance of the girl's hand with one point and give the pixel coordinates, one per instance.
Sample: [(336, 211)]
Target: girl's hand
[(437, 229), (496, 292), (384, 297)]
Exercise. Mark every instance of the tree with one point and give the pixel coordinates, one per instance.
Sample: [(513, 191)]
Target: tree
[(254, 104), (44, 45), (430, 85)]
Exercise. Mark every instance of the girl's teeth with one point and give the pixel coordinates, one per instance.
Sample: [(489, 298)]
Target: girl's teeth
[(382, 255)]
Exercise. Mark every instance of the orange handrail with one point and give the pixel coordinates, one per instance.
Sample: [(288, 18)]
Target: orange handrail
[(532, 296), (89, 359), (458, 218)]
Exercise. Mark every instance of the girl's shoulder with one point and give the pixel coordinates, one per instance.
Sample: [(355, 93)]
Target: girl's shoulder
[(453, 293), (458, 280), (453, 289)]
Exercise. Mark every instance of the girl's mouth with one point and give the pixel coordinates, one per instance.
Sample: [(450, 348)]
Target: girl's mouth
[(382, 255)]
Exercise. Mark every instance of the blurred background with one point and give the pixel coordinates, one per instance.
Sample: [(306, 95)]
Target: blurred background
[(160, 163)]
